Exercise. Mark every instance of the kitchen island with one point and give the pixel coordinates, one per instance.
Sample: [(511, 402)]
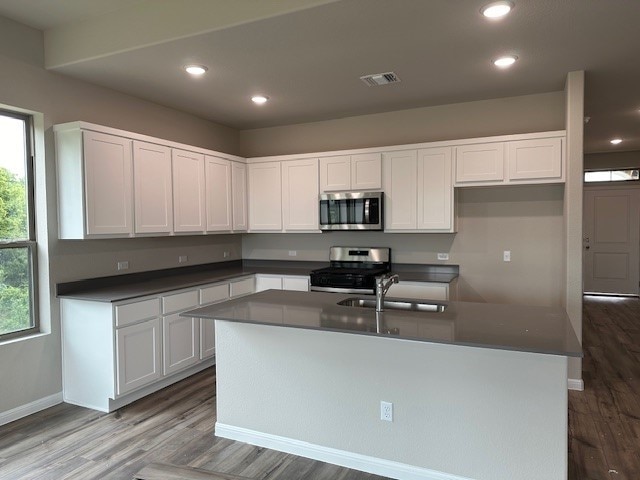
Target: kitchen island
[(479, 391)]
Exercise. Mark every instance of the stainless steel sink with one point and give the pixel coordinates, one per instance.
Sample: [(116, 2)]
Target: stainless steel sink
[(394, 305)]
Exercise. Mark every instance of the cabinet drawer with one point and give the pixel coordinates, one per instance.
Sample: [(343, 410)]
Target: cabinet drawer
[(135, 312), (268, 282), (179, 301), (241, 287), (213, 294), (300, 284)]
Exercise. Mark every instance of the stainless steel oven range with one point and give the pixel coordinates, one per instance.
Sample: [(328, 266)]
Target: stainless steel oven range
[(352, 270)]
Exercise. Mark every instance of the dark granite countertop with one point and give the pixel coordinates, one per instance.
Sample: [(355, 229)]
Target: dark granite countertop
[(136, 285), (542, 330)]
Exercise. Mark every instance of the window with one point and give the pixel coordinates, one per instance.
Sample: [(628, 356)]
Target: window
[(611, 175), (18, 312)]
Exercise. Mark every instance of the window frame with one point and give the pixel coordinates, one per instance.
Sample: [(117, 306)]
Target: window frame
[(610, 171), (31, 243)]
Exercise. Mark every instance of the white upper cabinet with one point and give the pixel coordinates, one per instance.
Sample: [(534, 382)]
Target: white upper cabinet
[(107, 164), (218, 194), (366, 171), (435, 190), (265, 196), (401, 190), (188, 191), (351, 172), (480, 163), (300, 195), (335, 173), (533, 161), (95, 184), (239, 196), (419, 191), (116, 184), (153, 194)]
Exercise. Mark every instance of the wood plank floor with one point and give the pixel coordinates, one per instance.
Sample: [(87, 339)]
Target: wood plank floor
[(175, 425), (604, 420)]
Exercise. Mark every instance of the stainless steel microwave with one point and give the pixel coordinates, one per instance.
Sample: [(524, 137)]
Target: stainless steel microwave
[(351, 211)]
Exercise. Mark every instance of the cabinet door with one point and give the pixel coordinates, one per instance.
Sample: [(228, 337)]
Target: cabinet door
[(268, 282), (479, 163), (400, 187), (300, 284), (108, 184), (435, 189), (138, 358), (188, 191), (153, 197), (265, 196), (366, 171), (218, 194), (300, 195), (239, 190), (538, 159), (335, 173), (181, 342)]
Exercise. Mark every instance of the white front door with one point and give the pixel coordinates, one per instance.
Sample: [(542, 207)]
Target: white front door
[(611, 240)]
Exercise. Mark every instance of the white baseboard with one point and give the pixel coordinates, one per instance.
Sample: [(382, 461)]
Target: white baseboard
[(576, 384), (30, 408), (356, 461)]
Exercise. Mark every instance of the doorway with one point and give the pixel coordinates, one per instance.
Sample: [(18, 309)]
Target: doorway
[(611, 240)]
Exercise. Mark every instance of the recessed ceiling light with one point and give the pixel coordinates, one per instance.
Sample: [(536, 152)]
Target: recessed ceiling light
[(616, 141), (506, 61), (259, 99), (196, 69), (496, 9)]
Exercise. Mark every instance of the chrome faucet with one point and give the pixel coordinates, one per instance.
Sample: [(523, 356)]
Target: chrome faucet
[(383, 284)]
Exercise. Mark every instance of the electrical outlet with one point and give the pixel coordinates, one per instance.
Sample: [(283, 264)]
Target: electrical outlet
[(123, 265), (293, 253), (225, 254), (506, 255), (183, 259), (386, 411), (443, 256)]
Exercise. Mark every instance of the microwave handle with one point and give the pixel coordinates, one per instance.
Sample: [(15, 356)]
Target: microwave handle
[(367, 204)]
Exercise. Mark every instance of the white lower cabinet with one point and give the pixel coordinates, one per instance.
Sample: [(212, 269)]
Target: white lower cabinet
[(181, 342), (282, 282), (138, 355), (244, 286)]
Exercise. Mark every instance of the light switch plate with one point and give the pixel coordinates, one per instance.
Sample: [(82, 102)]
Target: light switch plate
[(506, 255)]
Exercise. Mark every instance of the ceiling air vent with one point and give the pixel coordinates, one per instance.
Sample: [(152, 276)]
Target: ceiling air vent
[(380, 79)]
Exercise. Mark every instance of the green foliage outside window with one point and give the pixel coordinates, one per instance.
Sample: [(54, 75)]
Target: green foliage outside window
[(15, 302)]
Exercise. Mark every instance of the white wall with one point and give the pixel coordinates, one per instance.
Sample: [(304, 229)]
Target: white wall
[(500, 116), (31, 369), (622, 160), (526, 220), (477, 413)]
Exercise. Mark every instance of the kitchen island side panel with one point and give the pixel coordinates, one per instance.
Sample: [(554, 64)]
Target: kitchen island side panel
[(476, 413)]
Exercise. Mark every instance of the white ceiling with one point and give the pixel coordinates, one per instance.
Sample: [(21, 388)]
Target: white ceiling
[(308, 55)]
